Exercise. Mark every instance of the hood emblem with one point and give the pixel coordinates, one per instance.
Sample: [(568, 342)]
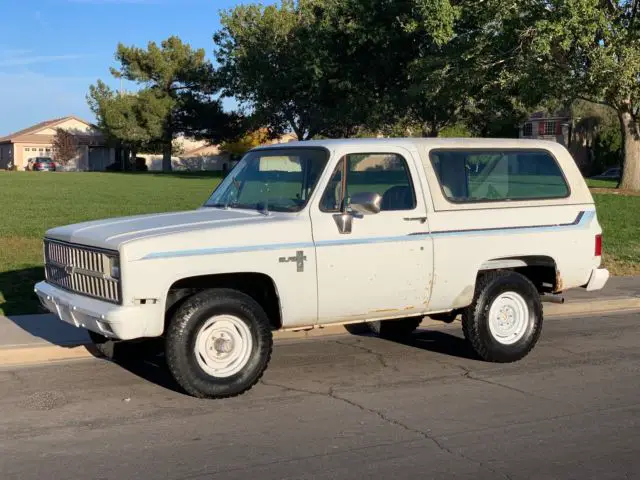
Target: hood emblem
[(69, 269)]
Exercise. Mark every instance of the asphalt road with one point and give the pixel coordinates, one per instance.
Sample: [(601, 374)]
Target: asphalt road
[(344, 407)]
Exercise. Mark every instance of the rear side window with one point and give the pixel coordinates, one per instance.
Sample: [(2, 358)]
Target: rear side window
[(483, 176)]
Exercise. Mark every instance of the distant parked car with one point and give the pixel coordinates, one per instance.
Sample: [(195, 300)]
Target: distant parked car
[(610, 174), (41, 164)]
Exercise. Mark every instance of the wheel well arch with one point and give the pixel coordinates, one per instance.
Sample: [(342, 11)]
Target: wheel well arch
[(542, 270), (258, 286)]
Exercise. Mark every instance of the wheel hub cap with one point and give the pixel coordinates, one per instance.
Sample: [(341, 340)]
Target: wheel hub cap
[(509, 318), (223, 346)]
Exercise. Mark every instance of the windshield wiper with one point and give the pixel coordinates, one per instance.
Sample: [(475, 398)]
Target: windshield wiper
[(263, 207)]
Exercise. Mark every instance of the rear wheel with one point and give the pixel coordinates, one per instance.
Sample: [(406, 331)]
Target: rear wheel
[(218, 344), (505, 320), (395, 329)]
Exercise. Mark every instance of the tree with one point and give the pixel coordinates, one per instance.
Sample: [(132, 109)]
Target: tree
[(270, 69), (135, 122), (323, 67), (590, 50), (64, 146), (245, 143), (172, 74)]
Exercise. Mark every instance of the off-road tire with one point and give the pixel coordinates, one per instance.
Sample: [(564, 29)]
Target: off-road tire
[(475, 323), (181, 336), (395, 329)]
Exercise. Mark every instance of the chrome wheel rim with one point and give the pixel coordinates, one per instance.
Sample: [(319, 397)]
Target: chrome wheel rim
[(509, 318), (223, 346)]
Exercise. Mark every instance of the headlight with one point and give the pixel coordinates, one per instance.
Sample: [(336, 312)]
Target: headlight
[(114, 271)]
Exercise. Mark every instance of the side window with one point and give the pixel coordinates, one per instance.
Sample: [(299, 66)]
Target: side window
[(385, 174), (477, 176), (332, 199)]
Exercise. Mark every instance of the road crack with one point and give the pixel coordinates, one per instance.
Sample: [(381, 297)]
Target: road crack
[(415, 431), (379, 356), (470, 376), (391, 421)]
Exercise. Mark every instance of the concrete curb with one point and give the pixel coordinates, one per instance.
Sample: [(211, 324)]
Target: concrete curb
[(46, 353)]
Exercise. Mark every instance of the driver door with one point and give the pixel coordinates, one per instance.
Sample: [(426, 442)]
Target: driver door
[(382, 268)]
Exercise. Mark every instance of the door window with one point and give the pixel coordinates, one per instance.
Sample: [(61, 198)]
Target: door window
[(384, 173)]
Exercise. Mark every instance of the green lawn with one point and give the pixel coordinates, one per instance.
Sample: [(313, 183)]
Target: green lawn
[(33, 202), (601, 183)]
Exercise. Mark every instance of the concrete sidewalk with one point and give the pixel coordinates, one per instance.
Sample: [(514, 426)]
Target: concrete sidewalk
[(42, 338)]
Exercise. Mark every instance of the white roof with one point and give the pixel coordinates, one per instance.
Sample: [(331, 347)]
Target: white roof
[(424, 142)]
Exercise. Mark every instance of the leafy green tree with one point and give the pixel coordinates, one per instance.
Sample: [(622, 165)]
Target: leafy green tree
[(585, 49), (325, 67), (166, 72), (269, 62), (134, 121)]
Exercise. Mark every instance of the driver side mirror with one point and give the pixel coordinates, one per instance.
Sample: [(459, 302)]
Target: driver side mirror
[(366, 203), (363, 203)]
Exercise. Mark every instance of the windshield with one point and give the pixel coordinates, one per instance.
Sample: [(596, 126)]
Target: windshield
[(279, 180)]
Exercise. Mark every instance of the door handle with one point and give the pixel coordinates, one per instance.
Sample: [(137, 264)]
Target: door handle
[(415, 219)]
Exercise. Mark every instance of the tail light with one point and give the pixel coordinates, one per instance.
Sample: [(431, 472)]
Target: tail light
[(36, 165), (598, 245)]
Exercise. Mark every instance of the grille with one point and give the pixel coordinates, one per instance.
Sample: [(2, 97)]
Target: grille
[(82, 270)]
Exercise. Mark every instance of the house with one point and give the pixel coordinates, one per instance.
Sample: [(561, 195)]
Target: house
[(36, 141), (558, 127), (95, 155), (547, 126), (200, 155)]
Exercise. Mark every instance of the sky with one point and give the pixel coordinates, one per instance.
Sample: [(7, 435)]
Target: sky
[(52, 50)]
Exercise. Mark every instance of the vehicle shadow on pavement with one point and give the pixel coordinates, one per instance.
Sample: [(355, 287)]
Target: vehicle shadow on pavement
[(16, 291), (23, 323), (151, 369), (438, 341)]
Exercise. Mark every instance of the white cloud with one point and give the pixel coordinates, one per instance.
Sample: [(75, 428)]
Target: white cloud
[(26, 59)]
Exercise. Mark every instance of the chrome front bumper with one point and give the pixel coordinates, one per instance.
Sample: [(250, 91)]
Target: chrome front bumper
[(114, 321)]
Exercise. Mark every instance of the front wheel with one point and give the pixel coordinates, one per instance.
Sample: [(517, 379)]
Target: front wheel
[(504, 322), (218, 344)]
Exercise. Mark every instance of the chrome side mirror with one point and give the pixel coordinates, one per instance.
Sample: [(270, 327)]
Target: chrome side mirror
[(366, 203)]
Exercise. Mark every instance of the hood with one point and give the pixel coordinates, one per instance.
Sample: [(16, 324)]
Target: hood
[(111, 233)]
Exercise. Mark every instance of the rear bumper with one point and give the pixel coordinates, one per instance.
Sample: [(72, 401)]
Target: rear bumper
[(598, 279), (114, 321)]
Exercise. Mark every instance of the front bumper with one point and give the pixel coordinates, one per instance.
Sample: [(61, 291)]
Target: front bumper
[(113, 321), (599, 277)]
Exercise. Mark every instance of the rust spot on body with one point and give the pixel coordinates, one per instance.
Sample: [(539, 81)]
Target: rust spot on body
[(559, 286)]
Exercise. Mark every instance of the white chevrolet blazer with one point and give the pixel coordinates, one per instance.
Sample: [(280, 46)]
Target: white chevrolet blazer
[(380, 232)]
